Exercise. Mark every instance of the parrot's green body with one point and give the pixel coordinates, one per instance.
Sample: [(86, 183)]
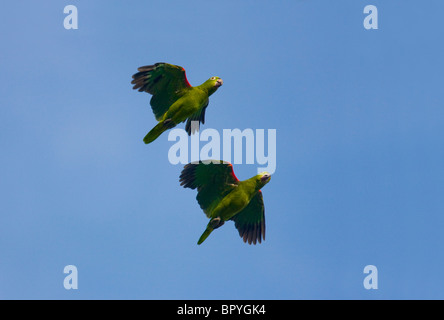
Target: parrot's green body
[(174, 100), (223, 197)]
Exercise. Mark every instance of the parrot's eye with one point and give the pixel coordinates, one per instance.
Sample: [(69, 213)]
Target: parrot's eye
[(213, 78)]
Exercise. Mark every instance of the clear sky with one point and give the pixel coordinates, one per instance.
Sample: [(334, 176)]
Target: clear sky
[(359, 178)]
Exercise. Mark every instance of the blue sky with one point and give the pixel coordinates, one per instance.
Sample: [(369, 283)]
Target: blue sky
[(359, 176)]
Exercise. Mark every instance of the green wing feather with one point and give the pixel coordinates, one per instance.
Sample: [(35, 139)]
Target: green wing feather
[(166, 82), (213, 182), (198, 116), (250, 222)]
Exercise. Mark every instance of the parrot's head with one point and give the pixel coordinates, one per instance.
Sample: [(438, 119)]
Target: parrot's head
[(213, 84), (263, 178)]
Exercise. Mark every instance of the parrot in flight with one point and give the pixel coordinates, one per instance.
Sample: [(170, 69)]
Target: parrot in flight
[(223, 197), (174, 100)]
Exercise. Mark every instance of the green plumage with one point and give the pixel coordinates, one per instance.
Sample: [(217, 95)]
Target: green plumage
[(173, 100), (223, 197)]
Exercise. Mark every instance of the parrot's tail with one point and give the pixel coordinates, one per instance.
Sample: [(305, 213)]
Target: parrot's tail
[(213, 224), (205, 235), (155, 132)]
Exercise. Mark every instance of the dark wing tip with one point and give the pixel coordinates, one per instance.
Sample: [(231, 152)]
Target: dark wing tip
[(146, 68), (187, 177), (253, 233), (151, 67)]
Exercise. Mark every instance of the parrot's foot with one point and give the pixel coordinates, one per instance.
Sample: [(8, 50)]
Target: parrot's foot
[(216, 223)]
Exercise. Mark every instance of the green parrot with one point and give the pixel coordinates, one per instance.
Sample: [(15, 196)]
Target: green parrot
[(174, 100), (223, 197)]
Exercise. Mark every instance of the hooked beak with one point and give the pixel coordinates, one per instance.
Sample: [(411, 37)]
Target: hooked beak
[(265, 178), (218, 83)]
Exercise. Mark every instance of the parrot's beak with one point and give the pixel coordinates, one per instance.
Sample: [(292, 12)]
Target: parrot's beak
[(218, 83), (265, 178)]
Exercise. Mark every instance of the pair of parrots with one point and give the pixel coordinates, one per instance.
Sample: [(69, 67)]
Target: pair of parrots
[(219, 193)]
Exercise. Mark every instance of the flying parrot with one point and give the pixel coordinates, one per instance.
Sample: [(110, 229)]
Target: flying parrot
[(174, 100), (223, 197)]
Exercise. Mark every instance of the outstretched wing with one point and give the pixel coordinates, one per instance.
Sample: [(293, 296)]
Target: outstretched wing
[(213, 182), (250, 222), (166, 82)]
